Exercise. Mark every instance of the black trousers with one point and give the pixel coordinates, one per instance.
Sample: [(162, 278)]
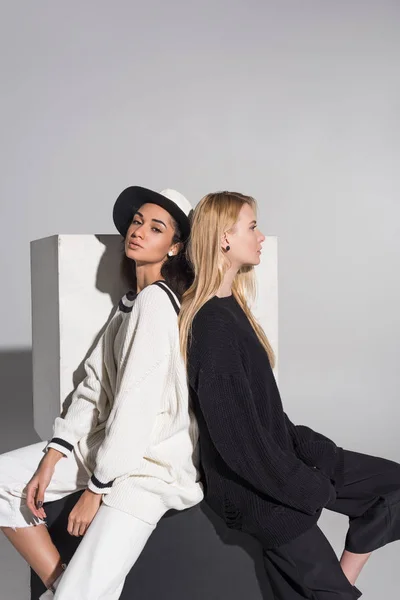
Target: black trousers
[(307, 567)]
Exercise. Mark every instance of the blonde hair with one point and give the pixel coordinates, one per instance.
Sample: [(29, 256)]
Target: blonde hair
[(214, 215)]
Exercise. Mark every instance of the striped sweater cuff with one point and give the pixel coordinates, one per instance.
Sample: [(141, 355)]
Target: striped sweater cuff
[(60, 445), (98, 487)]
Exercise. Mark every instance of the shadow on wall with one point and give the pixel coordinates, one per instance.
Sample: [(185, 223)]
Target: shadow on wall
[(113, 266), (16, 424)]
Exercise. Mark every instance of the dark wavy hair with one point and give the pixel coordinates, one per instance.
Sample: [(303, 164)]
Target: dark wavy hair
[(176, 270)]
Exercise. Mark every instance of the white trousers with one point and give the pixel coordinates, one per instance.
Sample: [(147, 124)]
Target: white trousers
[(108, 551), (111, 545)]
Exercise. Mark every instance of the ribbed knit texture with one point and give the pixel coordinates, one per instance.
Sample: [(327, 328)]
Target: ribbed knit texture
[(263, 474), (129, 420)]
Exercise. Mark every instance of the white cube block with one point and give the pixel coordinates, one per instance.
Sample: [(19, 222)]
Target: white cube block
[(76, 283)]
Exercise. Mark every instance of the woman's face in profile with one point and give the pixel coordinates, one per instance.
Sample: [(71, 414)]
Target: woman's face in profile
[(245, 239), (149, 237)]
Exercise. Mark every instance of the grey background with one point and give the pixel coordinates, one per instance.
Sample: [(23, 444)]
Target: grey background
[(295, 102)]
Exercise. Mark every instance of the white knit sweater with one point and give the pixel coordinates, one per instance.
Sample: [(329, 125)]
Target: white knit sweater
[(129, 421)]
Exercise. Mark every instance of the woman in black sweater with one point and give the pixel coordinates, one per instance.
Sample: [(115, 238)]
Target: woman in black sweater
[(263, 474)]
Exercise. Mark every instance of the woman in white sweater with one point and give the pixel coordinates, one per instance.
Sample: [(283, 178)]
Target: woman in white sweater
[(129, 437)]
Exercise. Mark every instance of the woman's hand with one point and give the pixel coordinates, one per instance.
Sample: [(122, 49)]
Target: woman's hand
[(83, 513), (38, 484)]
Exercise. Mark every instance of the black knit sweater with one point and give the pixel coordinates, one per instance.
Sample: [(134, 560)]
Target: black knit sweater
[(262, 473)]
